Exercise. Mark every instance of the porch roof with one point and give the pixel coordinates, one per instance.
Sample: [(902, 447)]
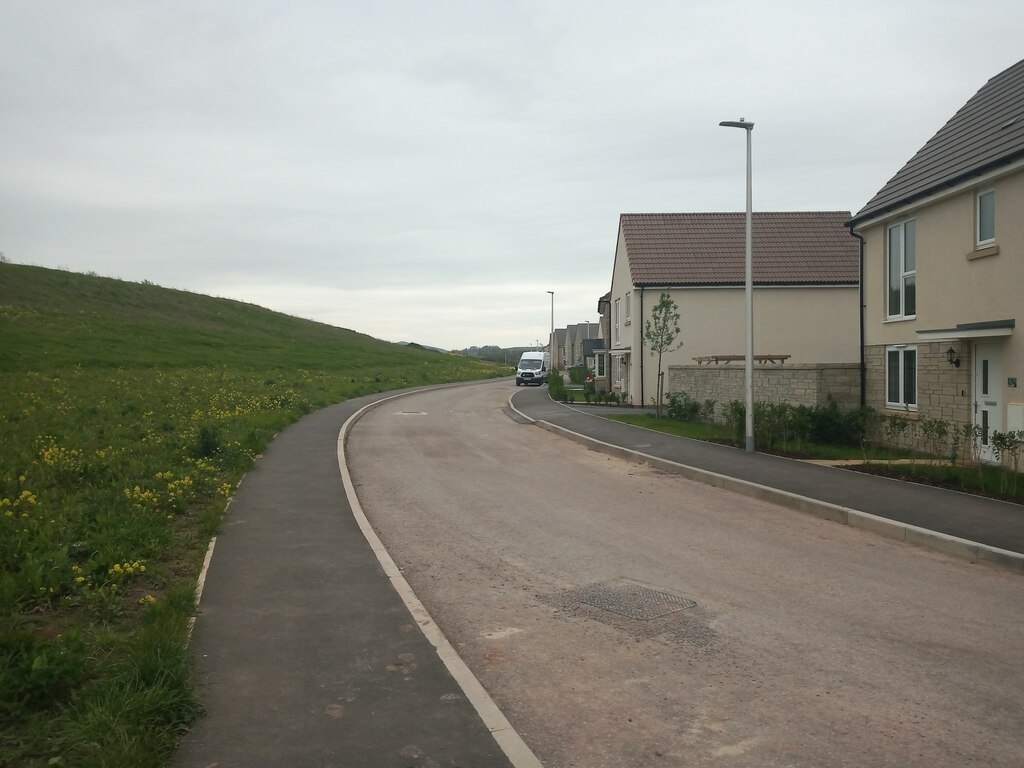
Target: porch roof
[(982, 330)]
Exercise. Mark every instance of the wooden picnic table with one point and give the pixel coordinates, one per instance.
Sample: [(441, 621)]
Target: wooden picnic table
[(726, 359)]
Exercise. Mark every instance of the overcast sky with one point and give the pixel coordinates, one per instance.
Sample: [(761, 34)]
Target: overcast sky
[(427, 171)]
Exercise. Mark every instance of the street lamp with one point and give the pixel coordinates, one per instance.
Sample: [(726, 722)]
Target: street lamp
[(552, 337), (748, 127)]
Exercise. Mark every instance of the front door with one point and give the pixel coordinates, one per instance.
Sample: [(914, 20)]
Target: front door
[(620, 373), (988, 394)]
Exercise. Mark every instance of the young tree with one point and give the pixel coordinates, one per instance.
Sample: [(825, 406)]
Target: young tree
[(661, 332)]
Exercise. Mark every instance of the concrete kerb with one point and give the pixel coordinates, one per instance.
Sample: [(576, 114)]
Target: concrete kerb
[(892, 529), (507, 738)]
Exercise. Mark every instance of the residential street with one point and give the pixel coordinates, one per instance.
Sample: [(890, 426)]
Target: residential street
[(562, 578)]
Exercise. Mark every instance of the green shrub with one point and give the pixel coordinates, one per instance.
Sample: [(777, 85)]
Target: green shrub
[(682, 407), (578, 374), (735, 413), (556, 386), (707, 411)]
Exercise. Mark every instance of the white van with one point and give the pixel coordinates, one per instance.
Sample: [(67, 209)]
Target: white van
[(532, 369)]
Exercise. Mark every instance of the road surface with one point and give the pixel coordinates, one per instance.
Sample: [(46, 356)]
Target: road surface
[(623, 617)]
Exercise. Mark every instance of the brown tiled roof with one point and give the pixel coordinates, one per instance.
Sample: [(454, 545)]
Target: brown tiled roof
[(987, 132), (803, 248)]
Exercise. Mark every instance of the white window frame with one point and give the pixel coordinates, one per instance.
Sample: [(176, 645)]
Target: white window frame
[(629, 312), (904, 275), (618, 322), (980, 242), (902, 402), (600, 365)]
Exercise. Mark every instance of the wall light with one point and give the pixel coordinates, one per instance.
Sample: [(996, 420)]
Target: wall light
[(951, 357)]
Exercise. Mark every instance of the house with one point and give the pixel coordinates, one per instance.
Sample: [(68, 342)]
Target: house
[(587, 336), (575, 337), (599, 347), (943, 252), (570, 343), (558, 350), (806, 275)]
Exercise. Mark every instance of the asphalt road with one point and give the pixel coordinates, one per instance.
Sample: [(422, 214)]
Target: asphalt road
[(562, 577)]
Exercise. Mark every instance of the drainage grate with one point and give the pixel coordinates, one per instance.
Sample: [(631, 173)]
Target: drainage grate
[(632, 600)]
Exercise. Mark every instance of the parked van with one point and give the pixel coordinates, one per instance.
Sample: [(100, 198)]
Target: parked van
[(533, 368)]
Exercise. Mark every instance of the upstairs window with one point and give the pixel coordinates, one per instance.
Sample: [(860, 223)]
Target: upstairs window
[(618, 321), (985, 218), (629, 313), (902, 270)]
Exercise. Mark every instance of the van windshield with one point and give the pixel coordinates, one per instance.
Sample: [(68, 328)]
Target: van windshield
[(530, 365)]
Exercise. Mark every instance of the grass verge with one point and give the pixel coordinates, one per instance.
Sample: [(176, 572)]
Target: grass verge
[(995, 482)]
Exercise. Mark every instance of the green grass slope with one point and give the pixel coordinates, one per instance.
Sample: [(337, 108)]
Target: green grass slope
[(128, 414), (53, 318)]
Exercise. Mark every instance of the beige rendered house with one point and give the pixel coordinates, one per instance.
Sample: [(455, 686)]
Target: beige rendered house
[(806, 323), (575, 336), (557, 351), (570, 343), (944, 271), (599, 346)]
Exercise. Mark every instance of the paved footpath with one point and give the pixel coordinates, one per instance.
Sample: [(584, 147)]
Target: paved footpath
[(307, 656)]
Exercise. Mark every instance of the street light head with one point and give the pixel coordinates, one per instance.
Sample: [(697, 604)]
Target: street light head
[(741, 123)]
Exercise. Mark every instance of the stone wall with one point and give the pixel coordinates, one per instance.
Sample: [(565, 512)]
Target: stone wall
[(943, 391), (797, 384)]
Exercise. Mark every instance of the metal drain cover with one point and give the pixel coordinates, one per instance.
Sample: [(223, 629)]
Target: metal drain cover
[(632, 600)]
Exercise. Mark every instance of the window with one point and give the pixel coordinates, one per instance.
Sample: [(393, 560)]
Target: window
[(618, 320), (901, 377), (629, 313), (984, 411), (599, 369), (902, 273), (985, 218)]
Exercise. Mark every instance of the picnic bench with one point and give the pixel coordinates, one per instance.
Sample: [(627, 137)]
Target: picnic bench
[(726, 359)]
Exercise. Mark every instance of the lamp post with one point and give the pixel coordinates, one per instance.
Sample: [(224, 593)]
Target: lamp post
[(552, 337), (748, 127)]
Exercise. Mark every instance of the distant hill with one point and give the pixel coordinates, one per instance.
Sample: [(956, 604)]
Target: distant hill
[(495, 353)]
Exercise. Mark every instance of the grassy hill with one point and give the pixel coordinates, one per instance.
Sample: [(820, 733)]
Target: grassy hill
[(53, 318), (129, 412)]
